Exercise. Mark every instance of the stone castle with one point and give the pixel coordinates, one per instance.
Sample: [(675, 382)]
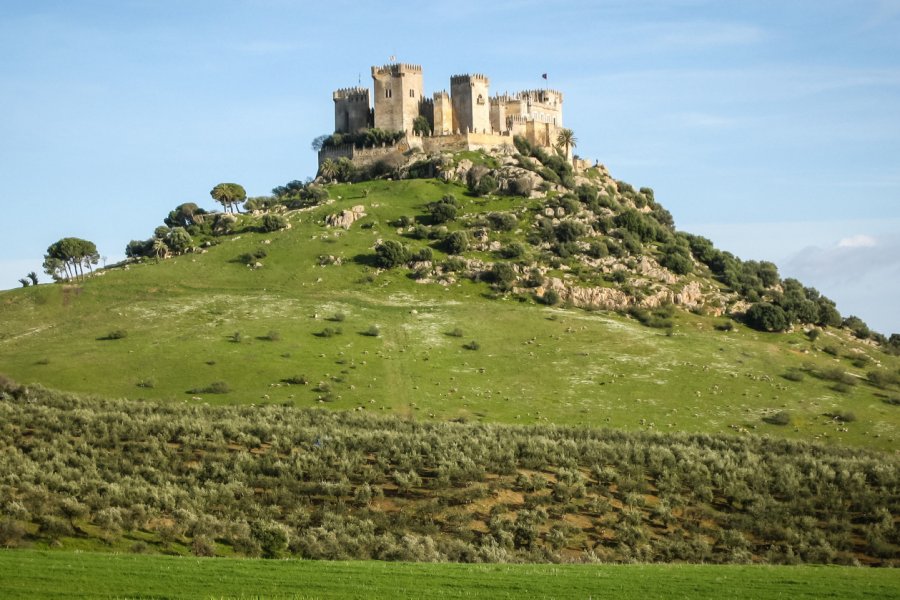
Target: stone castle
[(466, 118)]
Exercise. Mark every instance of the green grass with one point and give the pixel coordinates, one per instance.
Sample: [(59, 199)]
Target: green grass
[(33, 574), (534, 364)]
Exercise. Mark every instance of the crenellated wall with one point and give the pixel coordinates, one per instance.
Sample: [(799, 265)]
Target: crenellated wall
[(351, 110)]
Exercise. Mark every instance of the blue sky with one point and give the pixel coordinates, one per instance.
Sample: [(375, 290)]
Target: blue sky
[(771, 127)]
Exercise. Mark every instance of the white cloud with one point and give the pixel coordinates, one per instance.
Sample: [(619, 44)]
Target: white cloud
[(858, 241)]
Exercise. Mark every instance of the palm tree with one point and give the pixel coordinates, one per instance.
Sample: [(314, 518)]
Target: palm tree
[(160, 248), (33, 277), (566, 138), (328, 169)]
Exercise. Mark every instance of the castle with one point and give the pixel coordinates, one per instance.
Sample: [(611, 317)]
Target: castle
[(466, 118)]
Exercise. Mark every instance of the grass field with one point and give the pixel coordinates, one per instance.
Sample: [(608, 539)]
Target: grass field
[(32, 574), (535, 364)]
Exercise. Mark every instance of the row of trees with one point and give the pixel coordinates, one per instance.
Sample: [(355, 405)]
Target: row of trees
[(271, 480)]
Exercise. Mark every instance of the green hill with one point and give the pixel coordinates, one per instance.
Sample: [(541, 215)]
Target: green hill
[(313, 321)]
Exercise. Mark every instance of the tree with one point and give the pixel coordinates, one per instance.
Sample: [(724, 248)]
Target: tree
[(33, 277), (390, 254), (184, 215), (25, 282), (159, 248), (179, 240), (229, 195), (328, 170), (767, 317), (456, 243), (67, 258), (566, 139), (421, 126), (319, 142)]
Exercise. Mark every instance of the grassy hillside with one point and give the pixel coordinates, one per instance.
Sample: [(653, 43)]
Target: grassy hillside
[(307, 314), (85, 575)]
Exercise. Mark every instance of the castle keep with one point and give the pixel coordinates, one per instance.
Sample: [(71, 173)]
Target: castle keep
[(466, 118)]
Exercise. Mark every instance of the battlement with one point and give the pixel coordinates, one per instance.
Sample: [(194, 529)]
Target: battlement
[(352, 94), (396, 69), (540, 95), (469, 78), (442, 95), (427, 101)]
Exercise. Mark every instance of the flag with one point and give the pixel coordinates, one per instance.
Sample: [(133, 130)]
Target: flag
[(544, 76), (393, 58)]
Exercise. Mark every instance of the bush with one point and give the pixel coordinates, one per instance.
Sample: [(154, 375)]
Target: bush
[(272, 222), (296, 380), (503, 221), (513, 250), (793, 375), (456, 243), (390, 254), (779, 418), (473, 345), (550, 298), (372, 331), (764, 316), (521, 186), (503, 276), (216, 387), (116, 334)]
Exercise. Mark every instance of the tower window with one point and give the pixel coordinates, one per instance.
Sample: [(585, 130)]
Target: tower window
[(387, 93), (412, 93)]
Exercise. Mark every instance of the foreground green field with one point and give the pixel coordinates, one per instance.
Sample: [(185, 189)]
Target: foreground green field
[(200, 319), (27, 574)]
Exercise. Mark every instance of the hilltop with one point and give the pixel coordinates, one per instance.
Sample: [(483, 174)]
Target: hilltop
[(504, 287)]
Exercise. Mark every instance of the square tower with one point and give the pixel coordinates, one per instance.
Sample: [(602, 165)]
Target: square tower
[(351, 110), (471, 103), (398, 95)]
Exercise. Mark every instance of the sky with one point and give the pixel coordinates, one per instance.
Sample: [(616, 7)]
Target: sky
[(771, 127)]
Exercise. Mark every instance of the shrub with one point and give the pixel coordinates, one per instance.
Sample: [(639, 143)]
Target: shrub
[(457, 242), (724, 326), (390, 254), (503, 276), (372, 331), (503, 221), (338, 317), (235, 337), (146, 383), (116, 334), (793, 375), (216, 387), (521, 186), (550, 298), (329, 332), (779, 418), (473, 345), (513, 250), (569, 231), (296, 380), (423, 255), (272, 222), (764, 316)]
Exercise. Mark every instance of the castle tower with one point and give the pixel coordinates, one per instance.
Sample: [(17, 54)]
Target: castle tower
[(398, 96), (443, 114), (351, 110), (471, 109)]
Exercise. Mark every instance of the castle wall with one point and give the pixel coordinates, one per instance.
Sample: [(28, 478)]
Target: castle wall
[(398, 94), (471, 109), (498, 115)]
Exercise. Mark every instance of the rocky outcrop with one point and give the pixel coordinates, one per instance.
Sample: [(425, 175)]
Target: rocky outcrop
[(345, 218)]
